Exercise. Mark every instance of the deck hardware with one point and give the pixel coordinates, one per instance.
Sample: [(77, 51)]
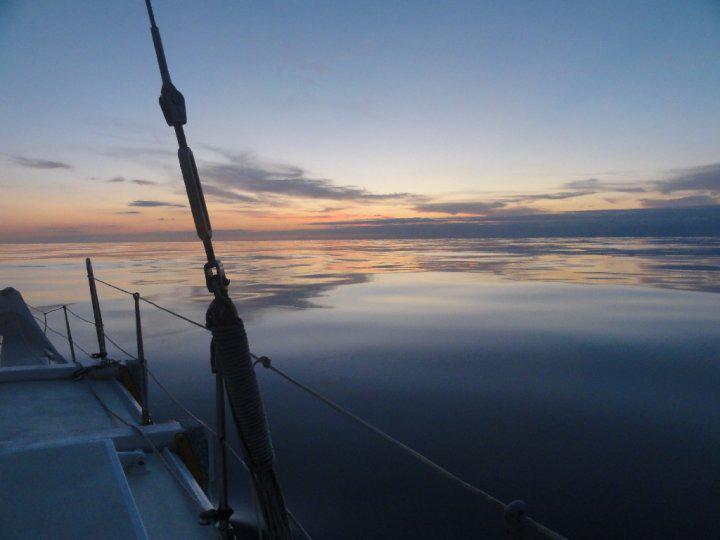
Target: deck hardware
[(146, 418), (134, 461), (235, 374), (215, 515), (96, 311), (220, 422)]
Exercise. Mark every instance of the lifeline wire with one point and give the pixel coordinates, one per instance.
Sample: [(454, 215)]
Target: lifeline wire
[(266, 362)]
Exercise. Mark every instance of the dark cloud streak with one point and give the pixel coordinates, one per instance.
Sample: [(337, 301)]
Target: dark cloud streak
[(593, 185), (563, 195), (245, 173), (138, 181), (36, 163), (680, 202), (644, 222), (154, 204), (703, 178), (226, 195), (462, 207)]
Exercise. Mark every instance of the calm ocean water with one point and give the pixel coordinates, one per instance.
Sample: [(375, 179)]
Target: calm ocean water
[(578, 375)]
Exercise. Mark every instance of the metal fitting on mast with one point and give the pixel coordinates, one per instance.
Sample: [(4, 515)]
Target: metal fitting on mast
[(230, 344), (172, 104)]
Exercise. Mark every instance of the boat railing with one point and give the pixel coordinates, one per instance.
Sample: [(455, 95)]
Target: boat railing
[(518, 524)]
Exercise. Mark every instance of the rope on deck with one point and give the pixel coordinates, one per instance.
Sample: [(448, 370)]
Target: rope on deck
[(227, 445), (175, 400), (267, 363), (180, 405), (156, 451), (135, 428)]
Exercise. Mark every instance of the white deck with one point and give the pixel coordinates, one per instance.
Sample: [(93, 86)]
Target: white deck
[(166, 511), (71, 469), (67, 491), (47, 410), (64, 471)]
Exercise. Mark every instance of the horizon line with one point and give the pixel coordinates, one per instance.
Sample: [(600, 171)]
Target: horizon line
[(696, 221)]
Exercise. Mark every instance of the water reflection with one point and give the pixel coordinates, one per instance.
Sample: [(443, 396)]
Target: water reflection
[(597, 405), (298, 274)]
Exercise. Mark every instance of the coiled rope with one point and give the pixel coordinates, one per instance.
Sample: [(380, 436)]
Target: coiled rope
[(176, 401), (82, 374), (267, 363), (225, 443)]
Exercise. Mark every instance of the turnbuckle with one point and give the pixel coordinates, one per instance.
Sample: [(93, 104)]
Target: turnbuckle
[(215, 278)]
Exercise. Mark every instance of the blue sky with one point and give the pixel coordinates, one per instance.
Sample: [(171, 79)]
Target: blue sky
[(449, 102)]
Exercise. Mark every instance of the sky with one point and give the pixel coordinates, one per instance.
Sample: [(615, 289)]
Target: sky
[(313, 115)]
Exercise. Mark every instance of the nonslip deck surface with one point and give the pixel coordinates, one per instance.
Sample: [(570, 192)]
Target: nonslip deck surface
[(67, 491), (62, 408)]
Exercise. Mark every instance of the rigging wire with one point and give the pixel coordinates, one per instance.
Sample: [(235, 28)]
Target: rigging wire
[(187, 411), (55, 307), (64, 336), (171, 312), (154, 448), (107, 337), (232, 450), (298, 524), (267, 363), (80, 317), (141, 432), (177, 402)]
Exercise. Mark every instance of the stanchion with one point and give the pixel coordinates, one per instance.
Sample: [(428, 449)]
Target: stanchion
[(146, 419), (96, 312)]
